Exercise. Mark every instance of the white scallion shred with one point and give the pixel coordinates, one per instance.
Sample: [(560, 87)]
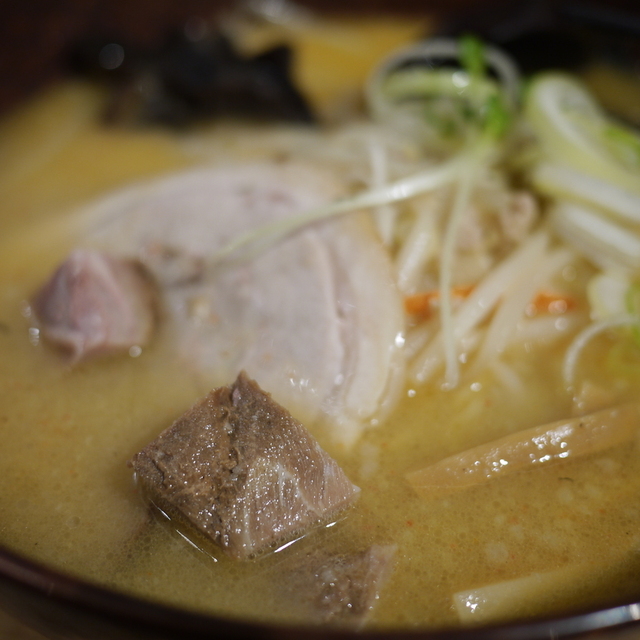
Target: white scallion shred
[(595, 215), (565, 182), (605, 243), (584, 337), (426, 52), (546, 329), (504, 323), (420, 244), (460, 204), (481, 302), (264, 236), (384, 215)]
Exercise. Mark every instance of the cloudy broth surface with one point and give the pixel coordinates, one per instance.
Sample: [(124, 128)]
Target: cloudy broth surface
[(68, 499)]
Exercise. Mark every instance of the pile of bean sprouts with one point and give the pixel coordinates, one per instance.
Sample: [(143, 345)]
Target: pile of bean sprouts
[(461, 105)]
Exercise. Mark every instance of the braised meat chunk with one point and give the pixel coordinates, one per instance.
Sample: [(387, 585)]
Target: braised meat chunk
[(95, 303), (240, 469), (339, 588)]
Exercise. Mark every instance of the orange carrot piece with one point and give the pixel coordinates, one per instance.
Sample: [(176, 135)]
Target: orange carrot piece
[(554, 303), (419, 304), (422, 304)]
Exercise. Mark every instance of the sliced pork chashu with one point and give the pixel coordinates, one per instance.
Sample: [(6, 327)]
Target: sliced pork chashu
[(314, 318)]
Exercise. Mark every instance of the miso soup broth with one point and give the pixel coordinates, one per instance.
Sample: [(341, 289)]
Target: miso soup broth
[(567, 533)]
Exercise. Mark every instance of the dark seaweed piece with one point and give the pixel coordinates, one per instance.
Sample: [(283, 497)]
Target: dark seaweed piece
[(188, 80), (105, 57), (554, 34), (531, 31), (212, 79)]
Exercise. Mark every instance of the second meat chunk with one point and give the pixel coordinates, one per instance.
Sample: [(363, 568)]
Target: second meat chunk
[(339, 589), (240, 469), (95, 304)]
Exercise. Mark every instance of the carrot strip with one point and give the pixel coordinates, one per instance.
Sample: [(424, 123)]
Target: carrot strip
[(423, 304), (553, 303)]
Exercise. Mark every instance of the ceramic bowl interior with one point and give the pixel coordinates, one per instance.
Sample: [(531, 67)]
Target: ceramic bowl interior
[(33, 37)]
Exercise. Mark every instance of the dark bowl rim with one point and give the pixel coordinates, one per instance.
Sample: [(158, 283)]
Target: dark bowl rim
[(76, 593)]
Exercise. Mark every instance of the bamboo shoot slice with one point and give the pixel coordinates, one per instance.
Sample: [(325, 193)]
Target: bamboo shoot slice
[(542, 593), (530, 449), (523, 596)]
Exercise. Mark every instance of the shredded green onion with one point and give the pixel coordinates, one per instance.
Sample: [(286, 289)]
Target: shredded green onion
[(623, 144), (421, 83), (459, 100), (497, 119), (472, 56)]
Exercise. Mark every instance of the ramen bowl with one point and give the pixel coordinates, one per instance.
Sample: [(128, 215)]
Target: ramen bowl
[(34, 54)]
